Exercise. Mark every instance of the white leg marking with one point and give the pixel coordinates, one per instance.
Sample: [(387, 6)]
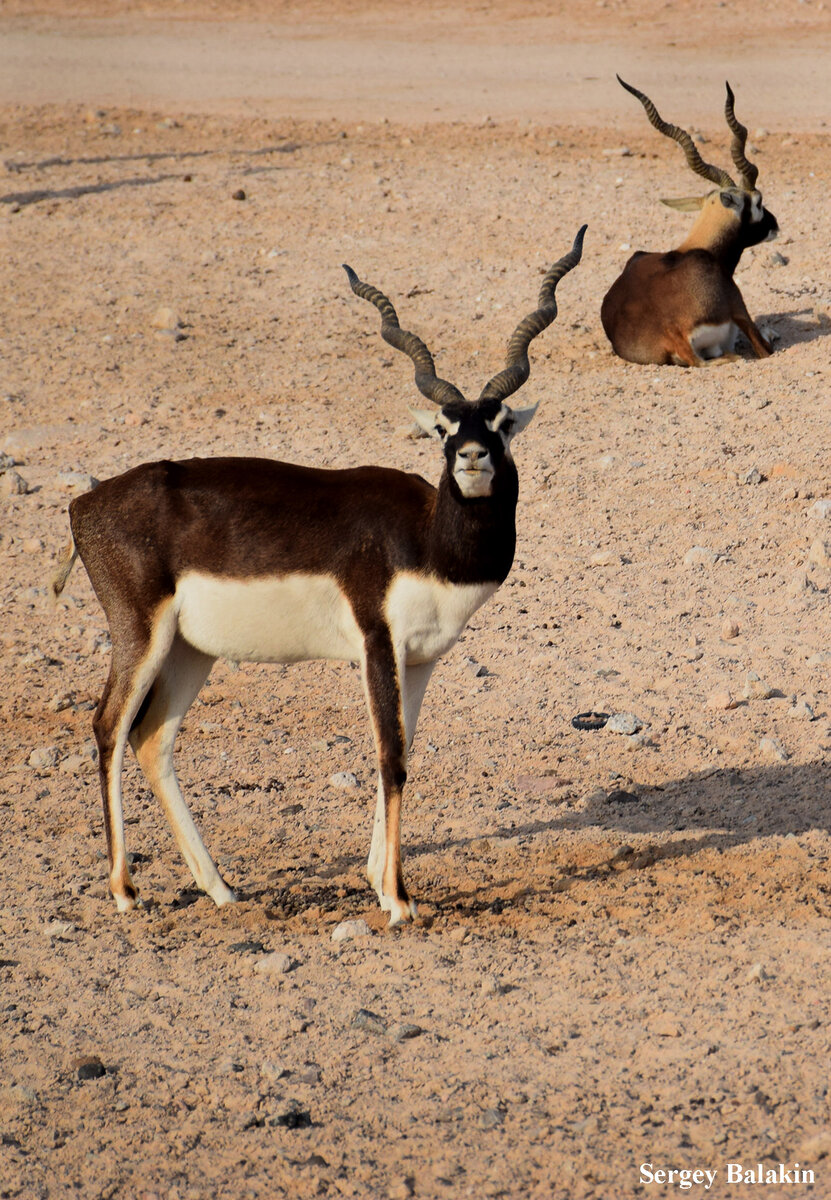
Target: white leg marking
[(414, 682), (378, 848), (176, 686)]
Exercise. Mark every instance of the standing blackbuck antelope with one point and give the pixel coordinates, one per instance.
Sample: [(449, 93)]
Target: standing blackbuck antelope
[(263, 561), (684, 307)]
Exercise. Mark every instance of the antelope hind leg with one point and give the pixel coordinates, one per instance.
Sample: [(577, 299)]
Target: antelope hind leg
[(153, 736), (127, 685)]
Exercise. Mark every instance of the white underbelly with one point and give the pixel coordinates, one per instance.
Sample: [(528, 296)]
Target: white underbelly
[(426, 615), (711, 341), (281, 619)]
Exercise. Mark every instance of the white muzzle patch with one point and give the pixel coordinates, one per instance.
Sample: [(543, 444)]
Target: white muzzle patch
[(473, 470)]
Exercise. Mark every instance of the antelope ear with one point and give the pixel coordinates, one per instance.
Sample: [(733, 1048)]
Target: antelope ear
[(427, 420), (686, 203), (521, 418)]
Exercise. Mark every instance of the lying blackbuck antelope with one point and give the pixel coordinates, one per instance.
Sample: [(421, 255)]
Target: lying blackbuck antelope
[(263, 561), (684, 307)]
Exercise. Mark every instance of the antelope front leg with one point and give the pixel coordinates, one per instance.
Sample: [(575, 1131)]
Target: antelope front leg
[(383, 691)]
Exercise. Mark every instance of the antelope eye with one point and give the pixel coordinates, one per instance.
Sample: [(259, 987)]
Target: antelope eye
[(441, 431)]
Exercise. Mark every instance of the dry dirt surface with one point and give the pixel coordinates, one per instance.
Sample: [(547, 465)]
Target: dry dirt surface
[(623, 955)]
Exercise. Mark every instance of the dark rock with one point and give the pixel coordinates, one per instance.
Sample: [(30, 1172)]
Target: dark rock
[(403, 1033), (619, 796), (246, 948), (292, 1115), (89, 1066), (370, 1022)]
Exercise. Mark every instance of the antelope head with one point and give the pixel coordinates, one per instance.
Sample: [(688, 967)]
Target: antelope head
[(475, 435), (731, 209)]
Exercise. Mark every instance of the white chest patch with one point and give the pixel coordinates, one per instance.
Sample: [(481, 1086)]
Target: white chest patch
[(426, 615), (284, 619), (711, 341)]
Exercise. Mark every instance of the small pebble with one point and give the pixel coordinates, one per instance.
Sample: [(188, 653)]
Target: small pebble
[(800, 583), (402, 1190), (773, 749), (492, 985), (722, 701), (89, 1066), (753, 476), (276, 963), (820, 510), (405, 1032), (291, 1115), (76, 481), (343, 779), (755, 688), (700, 555), (76, 764), (624, 722), (621, 796), (758, 974), (820, 553), (370, 1022), (13, 484), (44, 758), (59, 929), (604, 558), (729, 629), (491, 1118), (346, 931), (801, 710), (239, 194), (164, 318)]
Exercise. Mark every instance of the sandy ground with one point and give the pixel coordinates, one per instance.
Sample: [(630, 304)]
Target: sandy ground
[(623, 954)]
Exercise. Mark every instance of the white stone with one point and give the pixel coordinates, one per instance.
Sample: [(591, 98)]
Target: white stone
[(43, 758), (773, 749), (276, 963), (164, 318), (624, 722), (820, 553), (700, 555), (343, 779), (13, 484), (604, 558), (754, 475), (348, 930), (755, 688), (76, 481), (820, 510), (758, 974)]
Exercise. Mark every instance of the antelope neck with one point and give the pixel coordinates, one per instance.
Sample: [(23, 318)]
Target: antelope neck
[(473, 541)]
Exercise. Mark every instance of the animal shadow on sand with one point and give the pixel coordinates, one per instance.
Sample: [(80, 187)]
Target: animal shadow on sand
[(796, 328), (73, 192), (716, 809)]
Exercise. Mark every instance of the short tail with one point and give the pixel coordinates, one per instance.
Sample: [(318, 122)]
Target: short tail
[(65, 565)]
